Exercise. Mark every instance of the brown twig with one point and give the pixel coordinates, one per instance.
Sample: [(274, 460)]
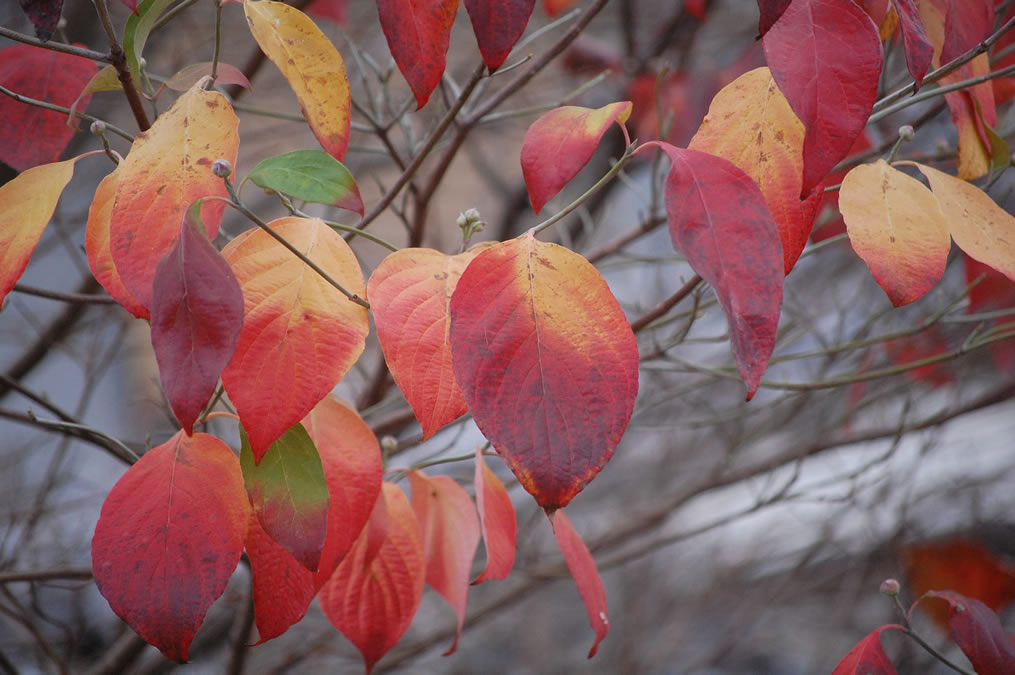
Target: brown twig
[(118, 59)]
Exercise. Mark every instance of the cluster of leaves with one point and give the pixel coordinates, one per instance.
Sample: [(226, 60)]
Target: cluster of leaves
[(523, 335)]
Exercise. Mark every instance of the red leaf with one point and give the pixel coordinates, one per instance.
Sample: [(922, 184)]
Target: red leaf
[(696, 8), (33, 136), (224, 74), (919, 50), (498, 521), (450, 527), (351, 456), (826, 57), (372, 599), (717, 216), (418, 34), (100, 258), (169, 537), (978, 632), (333, 10), (868, 656), (197, 316), (44, 15), (1004, 87), (498, 24), (555, 7), (586, 575), (770, 10), (560, 143), (536, 335)]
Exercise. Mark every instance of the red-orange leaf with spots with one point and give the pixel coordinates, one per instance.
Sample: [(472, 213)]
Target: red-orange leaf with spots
[(418, 33), (585, 574), (498, 521), (100, 258)]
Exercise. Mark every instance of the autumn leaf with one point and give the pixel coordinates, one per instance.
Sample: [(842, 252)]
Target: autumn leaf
[(197, 316), (100, 258), (106, 79), (716, 215), (498, 24), (979, 634), (334, 10), (224, 74), (451, 532), (896, 226), (918, 48), (33, 136), (554, 8), (410, 293), (373, 595), (44, 15), (868, 656), (167, 169), (584, 572), (751, 124), (351, 457), (418, 33), (310, 64), (560, 143), (289, 494), (826, 57), (310, 176), (300, 334), (536, 335), (770, 10), (497, 520), (26, 205), (169, 536)]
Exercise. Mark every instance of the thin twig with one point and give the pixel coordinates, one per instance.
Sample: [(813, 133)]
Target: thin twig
[(55, 46), (118, 58)]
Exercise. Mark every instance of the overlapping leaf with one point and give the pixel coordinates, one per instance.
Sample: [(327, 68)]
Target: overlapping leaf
[(100, 258), (867, 657), (300, 334), (770, 11), (918, 48), (311, 176), (751, 124), (373, 595), (497, 520), (719, 220), (197, 315), (351, 457), (26, 205), (169, 536), (33, 136), (168, 169), (137, 30), (555, 7), (586, 576), (224, 74), (410, 293), (536, 335), (450, 536), (560, 143), (826, 57), (978, 632), (44, 15), (418, 33), (312, 66), (896, 226), (497, 25)]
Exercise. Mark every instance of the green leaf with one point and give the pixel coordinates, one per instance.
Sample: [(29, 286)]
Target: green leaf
[(137, 30), (289, 494), (310, 176)]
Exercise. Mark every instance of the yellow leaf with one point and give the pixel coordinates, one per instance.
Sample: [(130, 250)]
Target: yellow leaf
[(312, 66), (26, 205), (896, 226)]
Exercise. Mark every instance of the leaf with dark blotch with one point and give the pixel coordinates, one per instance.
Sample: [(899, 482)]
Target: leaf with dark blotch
[(979, 634), (536, 335), (868, 656), (31, 135), (719, 220), (585, 574), (289, 493), (498, 521), (44, 15), (310, 176), (497, 25), (418, 33), (826, 56), (169, 536), (197, 316)]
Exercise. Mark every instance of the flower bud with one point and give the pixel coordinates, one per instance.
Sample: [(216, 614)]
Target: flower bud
[(906, 132), (389, 444), (222, 168), (889, 587), (98, 128)]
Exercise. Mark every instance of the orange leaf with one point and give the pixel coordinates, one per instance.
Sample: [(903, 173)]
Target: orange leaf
[(896, 226), (26, 205), (100, 258), (312, 66), (538, 337), (555, 7), (751, 124), (372, 599), (450, 537), (169, 537), (168, 169), (351, 456), (409, 293), (560, 143), (300, 334), (586, 575), (498, 521)]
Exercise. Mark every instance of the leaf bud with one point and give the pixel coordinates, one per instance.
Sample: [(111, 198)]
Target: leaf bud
[(889, 587), (389, 444), (222, 168), (906, 132), (98, 128)]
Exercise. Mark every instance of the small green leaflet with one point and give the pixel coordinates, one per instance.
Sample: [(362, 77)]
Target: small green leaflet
[(311, 176), (289, 493), (136, 32)]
